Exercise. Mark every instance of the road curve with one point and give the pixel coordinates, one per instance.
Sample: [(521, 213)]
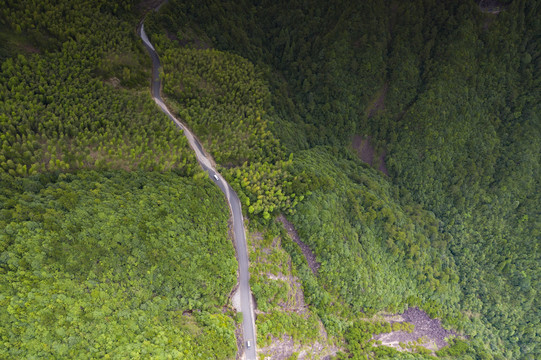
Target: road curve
[(248, 325)]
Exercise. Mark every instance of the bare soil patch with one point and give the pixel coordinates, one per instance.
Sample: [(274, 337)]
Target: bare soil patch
[(308, 254), (114, 82), (364, 149), (381, 163), (30, 49), (379, 103), (366, 152), (490, 6), (427, 329), (362, 145)]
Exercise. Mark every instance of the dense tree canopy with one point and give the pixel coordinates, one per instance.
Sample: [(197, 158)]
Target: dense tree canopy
[(109, 265), (447, 92), (101, 264), (67, 108), (457, 115)]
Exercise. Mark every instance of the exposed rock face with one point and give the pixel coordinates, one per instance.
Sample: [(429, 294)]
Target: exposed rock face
[(431, 329)]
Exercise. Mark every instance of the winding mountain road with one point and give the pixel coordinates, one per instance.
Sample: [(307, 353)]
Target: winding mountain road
[(248, 325)]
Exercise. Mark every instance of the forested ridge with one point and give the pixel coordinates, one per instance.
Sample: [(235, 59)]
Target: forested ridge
[(103, 206), (458, 123), (113, 244)]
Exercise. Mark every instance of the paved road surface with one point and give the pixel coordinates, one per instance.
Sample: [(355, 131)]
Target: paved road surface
[(248, 325)]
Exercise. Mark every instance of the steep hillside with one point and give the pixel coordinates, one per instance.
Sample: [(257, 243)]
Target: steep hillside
[(112, 265), (458, 93), (101, 255), (110, 240)]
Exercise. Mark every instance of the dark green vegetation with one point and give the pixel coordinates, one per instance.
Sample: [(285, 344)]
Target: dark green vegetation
[(455, 227), (276, 90), (369, 245), (103, 265)]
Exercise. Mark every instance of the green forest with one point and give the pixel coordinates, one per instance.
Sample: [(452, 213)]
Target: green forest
[(114, 244), (112, 265)]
